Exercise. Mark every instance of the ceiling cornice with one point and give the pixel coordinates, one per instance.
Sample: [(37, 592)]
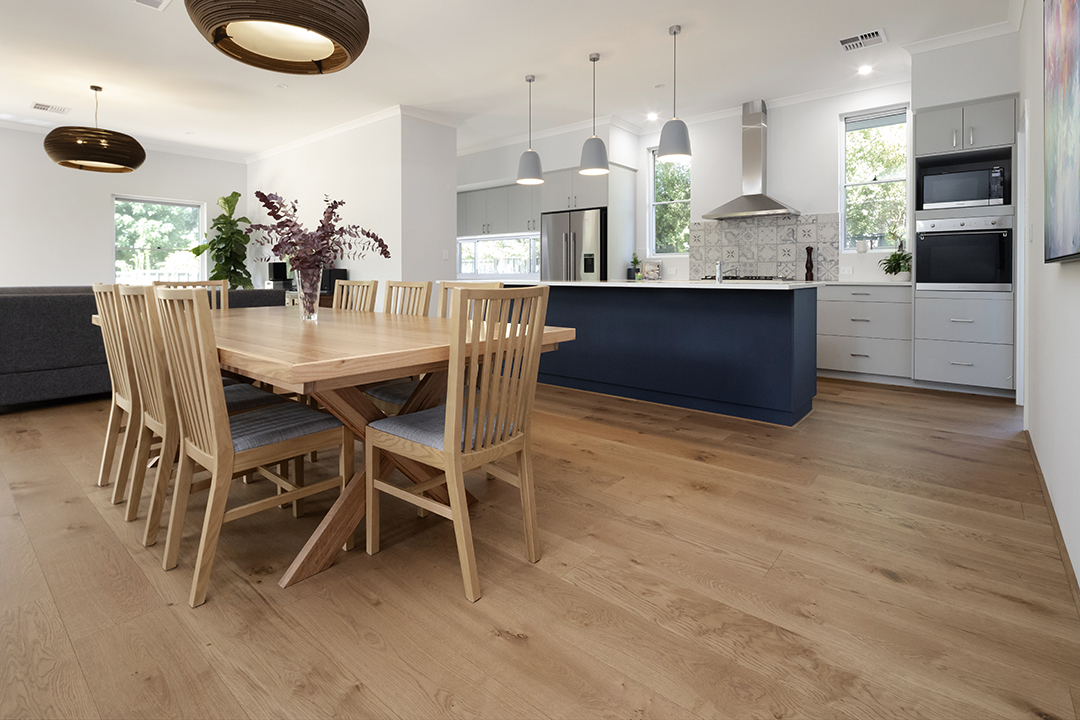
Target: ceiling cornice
[(1016, 16)]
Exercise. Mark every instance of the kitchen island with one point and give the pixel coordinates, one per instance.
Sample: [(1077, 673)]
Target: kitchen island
[(740, 348)]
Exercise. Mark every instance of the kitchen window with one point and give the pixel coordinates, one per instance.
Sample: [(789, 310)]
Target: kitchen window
[(153, 240), (874, 185), (669, 207), (503, 257)]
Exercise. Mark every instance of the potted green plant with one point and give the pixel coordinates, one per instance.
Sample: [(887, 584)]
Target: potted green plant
[(635, 266), (228, 247), (898, 265)]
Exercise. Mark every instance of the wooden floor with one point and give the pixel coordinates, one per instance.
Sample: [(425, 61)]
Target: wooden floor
[(891, 556)]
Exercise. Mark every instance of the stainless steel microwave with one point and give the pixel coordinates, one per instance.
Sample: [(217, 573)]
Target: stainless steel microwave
[(967, 188), (965, 254)]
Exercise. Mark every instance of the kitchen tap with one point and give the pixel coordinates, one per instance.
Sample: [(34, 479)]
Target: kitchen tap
[(720, 271)]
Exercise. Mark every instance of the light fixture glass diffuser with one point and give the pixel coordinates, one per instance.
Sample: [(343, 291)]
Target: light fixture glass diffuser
[(529, 170), (675, 136), (281, 41), (594, 153)]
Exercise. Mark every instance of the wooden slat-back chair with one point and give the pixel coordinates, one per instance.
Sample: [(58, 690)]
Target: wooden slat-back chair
[(226, 445), (446, 286), (159, 418), (355, 294), (125, 393), (218, 300), (494, 357), (407, 298)]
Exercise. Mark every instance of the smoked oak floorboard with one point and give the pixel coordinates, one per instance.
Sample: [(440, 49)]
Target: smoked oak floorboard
[(889, 556)]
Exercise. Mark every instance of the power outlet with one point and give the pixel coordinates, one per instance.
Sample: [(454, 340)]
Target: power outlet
[(673, 271), (445, 254), (847, 270)]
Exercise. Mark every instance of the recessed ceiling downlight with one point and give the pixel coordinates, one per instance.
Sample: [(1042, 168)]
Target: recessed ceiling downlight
[(314, 37)]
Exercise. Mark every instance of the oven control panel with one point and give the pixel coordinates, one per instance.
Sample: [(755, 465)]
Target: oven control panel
[(964, 224)]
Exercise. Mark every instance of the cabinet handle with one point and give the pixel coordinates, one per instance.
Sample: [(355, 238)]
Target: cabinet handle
[(953, 362), (859, 355), (855, 293), (568, 201), (959, 320), (971, 136), (860, 320), (954, 138)]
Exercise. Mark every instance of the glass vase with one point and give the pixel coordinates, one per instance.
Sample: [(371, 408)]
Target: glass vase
[(308, 282)]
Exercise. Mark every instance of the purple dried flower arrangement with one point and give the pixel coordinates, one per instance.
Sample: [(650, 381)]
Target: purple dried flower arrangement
[(318, 248)]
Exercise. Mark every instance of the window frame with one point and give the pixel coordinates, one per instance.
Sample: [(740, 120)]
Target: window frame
[(651, 251), (204, 271), (869, 114), (534, 256)]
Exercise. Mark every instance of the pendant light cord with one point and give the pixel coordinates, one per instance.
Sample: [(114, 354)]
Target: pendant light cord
[(674, 71), (530, 116), (594, 98), (95, 108)]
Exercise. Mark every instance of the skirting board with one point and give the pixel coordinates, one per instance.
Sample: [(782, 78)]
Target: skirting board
[(1070, 572)]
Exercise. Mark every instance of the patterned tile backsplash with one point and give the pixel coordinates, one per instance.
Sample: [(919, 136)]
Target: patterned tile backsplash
[(773, 245)]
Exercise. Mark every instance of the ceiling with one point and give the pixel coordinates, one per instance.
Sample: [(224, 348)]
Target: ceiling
[(463, 60)]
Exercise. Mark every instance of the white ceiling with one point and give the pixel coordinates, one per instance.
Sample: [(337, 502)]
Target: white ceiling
[(464, 60)]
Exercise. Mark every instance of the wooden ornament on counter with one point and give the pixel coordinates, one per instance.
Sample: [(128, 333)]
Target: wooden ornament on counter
[(810, 263)]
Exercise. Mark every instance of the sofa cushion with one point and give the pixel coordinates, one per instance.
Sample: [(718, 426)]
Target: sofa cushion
[(46, 332)]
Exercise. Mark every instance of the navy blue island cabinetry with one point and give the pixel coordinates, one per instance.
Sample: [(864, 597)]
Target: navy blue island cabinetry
[(745, 350)]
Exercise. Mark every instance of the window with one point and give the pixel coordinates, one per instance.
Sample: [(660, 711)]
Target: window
[(669, 211), (875, 180), (499, 256), (153, 241)]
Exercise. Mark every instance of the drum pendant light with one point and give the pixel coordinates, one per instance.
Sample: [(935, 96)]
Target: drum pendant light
[(94, 149), (529, 170), (594, 152), (312, 37), (674, 137)]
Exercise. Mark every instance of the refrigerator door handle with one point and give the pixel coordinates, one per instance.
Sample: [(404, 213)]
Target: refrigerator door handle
[(573, 262), (565, 259)]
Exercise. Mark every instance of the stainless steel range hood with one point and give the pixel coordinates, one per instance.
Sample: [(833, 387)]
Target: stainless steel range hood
[(755, 155)]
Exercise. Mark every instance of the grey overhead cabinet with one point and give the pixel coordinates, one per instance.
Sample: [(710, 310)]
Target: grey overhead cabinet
[(524, 208), (973, 126), (485, 212), (570, 190)]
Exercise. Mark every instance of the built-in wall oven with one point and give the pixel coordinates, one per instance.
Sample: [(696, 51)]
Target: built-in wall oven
[(964, 254)]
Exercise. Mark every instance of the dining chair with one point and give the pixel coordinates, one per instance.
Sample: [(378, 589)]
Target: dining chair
[(407, 298), (225, 444), (355, 295), (392, 395), (125, 393), (159, 418), (494, 356), (218, 300)]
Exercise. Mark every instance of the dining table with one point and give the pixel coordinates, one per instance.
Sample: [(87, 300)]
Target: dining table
[(332, 359)]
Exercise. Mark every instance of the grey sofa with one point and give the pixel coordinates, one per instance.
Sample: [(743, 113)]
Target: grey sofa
[(49, 350)]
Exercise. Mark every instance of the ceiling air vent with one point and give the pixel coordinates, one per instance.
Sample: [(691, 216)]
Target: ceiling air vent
[(51, 108), (155, 4), (874, 37)]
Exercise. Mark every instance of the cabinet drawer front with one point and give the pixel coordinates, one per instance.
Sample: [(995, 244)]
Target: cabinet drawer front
[(865, 355), (865, 319), (982, 321), (866, 293), (964, 363)]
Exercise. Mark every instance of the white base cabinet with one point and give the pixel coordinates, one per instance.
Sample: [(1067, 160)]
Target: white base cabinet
[(865, 329)]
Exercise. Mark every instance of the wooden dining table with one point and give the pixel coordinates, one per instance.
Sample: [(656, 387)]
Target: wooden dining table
[(332, 359)]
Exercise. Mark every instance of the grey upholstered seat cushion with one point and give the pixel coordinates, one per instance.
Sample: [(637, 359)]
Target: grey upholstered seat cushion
[(277, 423), (227, 381), (427, 427), (241, 397), (395, 392)]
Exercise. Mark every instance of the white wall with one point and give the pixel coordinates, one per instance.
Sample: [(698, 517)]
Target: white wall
[(969, 71), (1052, 409), (428, 200), (58, 223)]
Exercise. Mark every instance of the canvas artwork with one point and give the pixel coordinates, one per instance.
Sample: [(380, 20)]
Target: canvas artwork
[(1061, 81)]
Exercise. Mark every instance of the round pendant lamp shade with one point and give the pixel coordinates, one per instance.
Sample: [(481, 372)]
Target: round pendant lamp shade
[(675, 136), (674, 142), (94, 149), (529, 170), (594, 153), (289, 36)]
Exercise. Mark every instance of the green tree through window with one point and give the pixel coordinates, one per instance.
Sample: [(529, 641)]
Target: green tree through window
[(153, 241), (875, 181), (671, 207)]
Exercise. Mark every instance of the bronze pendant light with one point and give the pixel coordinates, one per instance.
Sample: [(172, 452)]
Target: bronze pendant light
[(94, 149), (289, 36)]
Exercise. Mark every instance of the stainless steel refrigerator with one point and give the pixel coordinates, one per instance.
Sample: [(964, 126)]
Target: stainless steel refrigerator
[(573, 245)]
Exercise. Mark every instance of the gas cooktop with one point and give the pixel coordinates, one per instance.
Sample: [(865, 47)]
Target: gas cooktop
[(745, 277)]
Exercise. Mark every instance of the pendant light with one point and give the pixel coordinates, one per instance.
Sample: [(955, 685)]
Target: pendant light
[(303, 38), (594, 152), (94, 149), (529, 170), (674, 137)]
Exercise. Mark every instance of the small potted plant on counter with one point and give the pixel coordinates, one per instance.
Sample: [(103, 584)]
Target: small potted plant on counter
[(898, 265), (635, 268)]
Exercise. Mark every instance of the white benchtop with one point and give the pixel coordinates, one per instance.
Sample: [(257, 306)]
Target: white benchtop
[(692, 284), (870, 282)]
